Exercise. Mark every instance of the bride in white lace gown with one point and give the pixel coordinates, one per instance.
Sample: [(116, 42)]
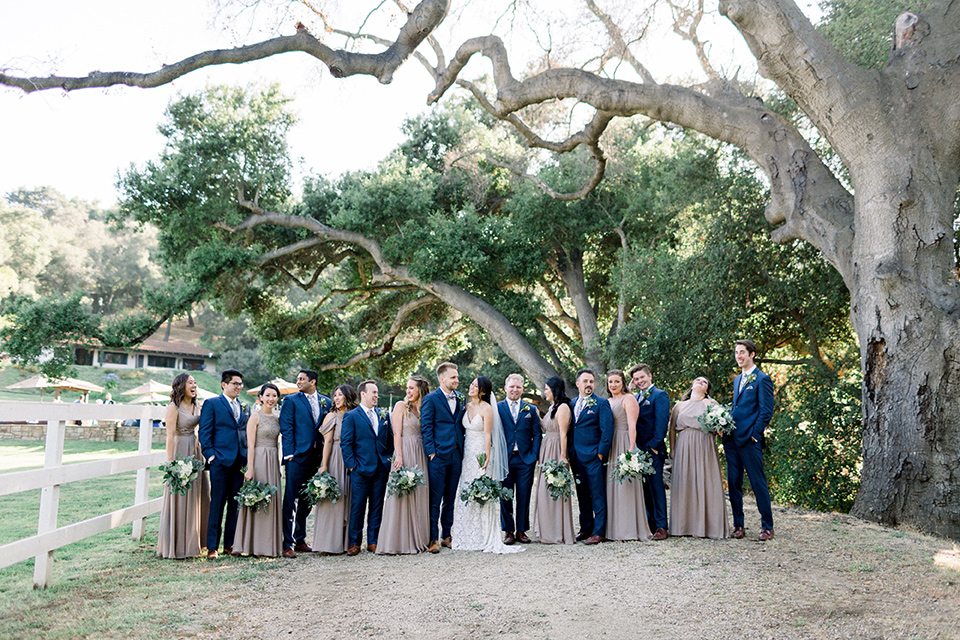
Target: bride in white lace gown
[(477, 528)]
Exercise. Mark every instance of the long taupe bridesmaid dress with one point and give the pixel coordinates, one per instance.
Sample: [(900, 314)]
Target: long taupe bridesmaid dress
[(331, 521), (626, 511), (261, 533), (697, 507), (552, 519), (406, 520), (183, 519)]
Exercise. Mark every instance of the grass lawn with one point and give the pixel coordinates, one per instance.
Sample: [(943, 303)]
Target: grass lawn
[(109, 585)]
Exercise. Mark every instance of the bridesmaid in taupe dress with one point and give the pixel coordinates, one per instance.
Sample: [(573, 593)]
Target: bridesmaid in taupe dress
[(261, 533), (406, 520), (697, 507), (626, 511), (553, 519), (183, 518), (332, 521)]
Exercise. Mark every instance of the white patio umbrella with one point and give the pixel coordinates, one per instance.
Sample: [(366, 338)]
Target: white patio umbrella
[(151, 386)]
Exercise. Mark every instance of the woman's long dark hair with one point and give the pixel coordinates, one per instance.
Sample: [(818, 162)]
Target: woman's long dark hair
[(178, 389), (350, 400), (686, 396), (423, 387), (558, 389), (484, 387)]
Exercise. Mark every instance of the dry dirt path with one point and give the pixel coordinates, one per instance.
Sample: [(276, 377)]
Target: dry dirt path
[(823, 576)]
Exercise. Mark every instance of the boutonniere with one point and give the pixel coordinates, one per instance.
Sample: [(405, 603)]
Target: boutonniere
[(324, 403), (525, 408), (751, 378), (459, 396), (382, 413), (645, 393), (244, 407), (589, 402)]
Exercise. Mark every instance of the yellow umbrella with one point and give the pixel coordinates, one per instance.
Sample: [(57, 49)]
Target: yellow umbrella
[(285, 387), (151, 386)]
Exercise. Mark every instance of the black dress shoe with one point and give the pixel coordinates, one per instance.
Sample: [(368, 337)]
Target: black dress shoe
[(508, 539)]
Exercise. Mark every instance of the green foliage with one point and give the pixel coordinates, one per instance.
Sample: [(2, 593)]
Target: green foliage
[(814, 441), (863, 30), (42, 330)]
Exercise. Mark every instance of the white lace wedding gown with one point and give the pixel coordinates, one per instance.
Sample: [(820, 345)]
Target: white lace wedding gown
[(476, 528)]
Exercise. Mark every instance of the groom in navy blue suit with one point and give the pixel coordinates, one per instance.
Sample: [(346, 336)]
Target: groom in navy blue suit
[(652, 422), (223, 442), (366, 440), (522, 432), (592, 439), (752, 411), (441, 426), (300, 418)]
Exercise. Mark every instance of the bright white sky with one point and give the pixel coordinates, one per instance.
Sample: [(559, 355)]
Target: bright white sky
[(77, 142)]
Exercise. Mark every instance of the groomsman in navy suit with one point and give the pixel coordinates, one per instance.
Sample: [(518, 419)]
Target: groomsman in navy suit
[(652, 423), (752, 411), (522, 432), (366, 440), (441, 426), (592, 439), (223, 441), (300, 419)]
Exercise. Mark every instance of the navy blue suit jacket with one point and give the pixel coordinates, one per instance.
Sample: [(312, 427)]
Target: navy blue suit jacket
[(752, 408), (366, 451), (299, 432), (593, 431), (441, 430), (653, 420), (526, 433), (220, 435)]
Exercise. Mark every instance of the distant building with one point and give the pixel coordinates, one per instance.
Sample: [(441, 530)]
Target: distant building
[(150, 354)]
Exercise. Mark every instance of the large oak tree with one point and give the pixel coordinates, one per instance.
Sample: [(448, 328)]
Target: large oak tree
[(889, 230)]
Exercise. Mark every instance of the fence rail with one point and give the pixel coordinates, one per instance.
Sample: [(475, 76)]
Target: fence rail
[(54, 474)]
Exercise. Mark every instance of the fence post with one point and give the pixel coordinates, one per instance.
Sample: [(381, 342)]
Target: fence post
[(49, 502), (142, 491)]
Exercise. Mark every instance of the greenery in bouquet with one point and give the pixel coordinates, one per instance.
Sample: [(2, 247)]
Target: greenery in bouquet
[(717, 418), (179, 473), (559, 479), (632, 464), (322, 486), (484, 489), (404, 480), (255, 495)]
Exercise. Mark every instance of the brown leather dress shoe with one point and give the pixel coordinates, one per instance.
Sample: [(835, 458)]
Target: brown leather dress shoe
[(522, 538), (228, 551), (353, 550), (583, 535), (737, 533), (594, 540), (508, 539), (372, 548), (212, 554), (765, 534), (447, 542), (289, 553), (303, 547), (434, 547), (660, 534)]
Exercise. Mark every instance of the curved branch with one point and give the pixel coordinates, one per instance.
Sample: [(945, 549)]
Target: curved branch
[(420, 23), (619, 47)]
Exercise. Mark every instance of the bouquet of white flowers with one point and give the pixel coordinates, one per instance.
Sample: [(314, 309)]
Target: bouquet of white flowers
[(404, 480), (632, 464), (255, 495), (716, 418), (483, 490), (179, 473), (322, 486), (559, 479)]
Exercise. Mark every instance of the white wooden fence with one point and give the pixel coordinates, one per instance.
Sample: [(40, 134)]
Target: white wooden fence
[(54, 473)]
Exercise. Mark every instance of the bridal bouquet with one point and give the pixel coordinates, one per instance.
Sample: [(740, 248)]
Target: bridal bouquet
[(559, 479), (255, 495), (404, 480), (716, 418), (322, 486), (632, 464), (179, 473), (483, 490)]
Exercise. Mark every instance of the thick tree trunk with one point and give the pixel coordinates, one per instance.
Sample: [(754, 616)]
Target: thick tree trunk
[(573, 279)]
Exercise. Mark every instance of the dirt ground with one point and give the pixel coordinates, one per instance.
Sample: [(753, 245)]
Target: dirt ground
[(823, 576)]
